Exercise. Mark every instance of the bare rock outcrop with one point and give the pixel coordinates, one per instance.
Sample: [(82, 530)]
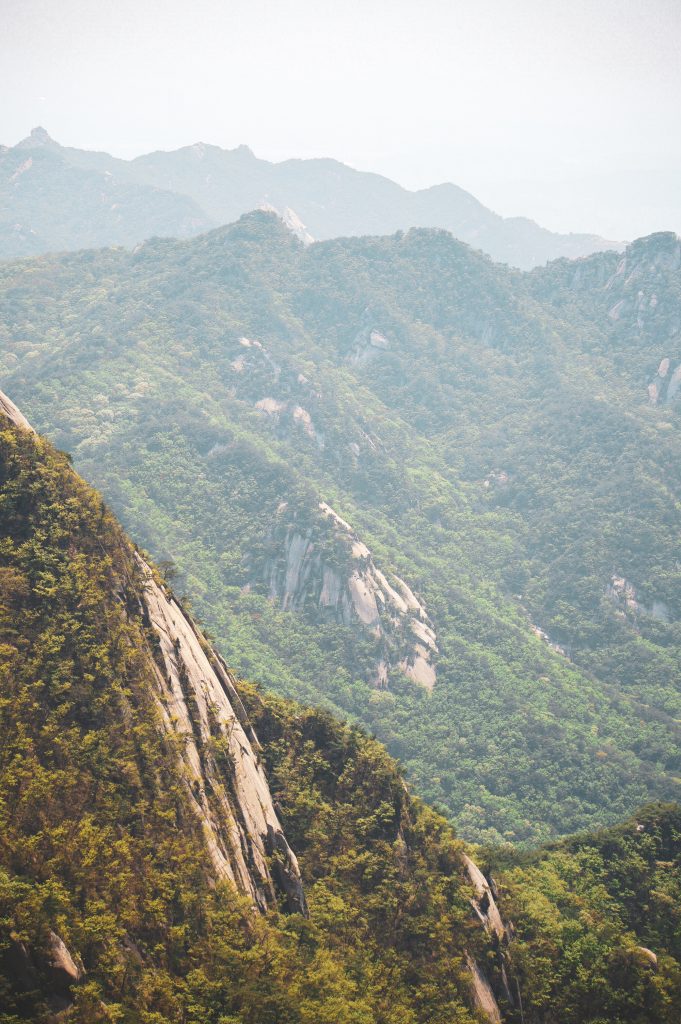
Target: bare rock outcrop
[(323, 569), (484, 904), (369, 344), (665, 387), (292, 221), (61, 962), (487, 912), (622, 593), (9, 409), (48, 967), (483, 996), (647, 956), (218, 750)]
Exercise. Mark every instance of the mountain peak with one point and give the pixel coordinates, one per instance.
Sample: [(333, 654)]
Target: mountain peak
[(660, 250), (38, 137), (291, 220)]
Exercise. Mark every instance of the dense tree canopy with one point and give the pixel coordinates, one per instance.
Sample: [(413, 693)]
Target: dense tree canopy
[(488, 434), (98, 845)]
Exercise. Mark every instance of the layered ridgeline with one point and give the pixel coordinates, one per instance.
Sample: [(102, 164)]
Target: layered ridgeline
[(146, 864), (402, 483), (53, 197)]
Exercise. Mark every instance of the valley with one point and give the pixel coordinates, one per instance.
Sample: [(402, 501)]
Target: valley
[(483, 441)]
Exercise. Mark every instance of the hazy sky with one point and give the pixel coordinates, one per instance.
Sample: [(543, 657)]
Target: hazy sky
[(567, 111)]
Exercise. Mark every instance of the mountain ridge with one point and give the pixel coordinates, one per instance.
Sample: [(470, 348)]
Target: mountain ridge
[(199, 186), (472, 425)]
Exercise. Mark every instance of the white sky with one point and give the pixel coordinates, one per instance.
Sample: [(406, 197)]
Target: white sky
[(567, 111)]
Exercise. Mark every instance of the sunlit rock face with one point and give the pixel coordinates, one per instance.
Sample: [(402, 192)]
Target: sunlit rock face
[(624, 596), (9, 409), (665, 387), (323, 570), (218, 749)]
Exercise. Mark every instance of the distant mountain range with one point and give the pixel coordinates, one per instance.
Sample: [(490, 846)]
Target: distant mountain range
[(56, 198)]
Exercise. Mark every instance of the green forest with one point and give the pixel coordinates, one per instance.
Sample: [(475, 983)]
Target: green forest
[(490, 436), (100, 851)]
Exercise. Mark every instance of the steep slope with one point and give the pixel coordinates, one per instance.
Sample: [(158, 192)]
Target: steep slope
[(199, 709), (476, 438), (134, 808), (54, 197), (116, 782)]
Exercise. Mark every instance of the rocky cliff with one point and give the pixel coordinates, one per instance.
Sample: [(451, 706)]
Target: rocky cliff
[(205, 723), (9, 409), (322, 568), (217, 749)]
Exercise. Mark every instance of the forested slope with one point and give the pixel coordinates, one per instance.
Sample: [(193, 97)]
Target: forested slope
[(574, 902), (112, 904), (492, 585)]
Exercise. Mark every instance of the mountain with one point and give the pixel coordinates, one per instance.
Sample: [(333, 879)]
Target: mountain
[(54, 197), (145, 866), (139, 828), (48, 201), (399, 482), (334, 200)]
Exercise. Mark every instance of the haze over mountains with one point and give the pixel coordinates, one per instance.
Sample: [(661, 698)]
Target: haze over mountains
[(54, 198), (340, 512), (418, 488)]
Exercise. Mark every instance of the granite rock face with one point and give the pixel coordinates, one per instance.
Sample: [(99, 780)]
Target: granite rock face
[(323, 570), (218, 751), (9, 409)]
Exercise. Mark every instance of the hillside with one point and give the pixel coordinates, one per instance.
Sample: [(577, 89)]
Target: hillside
[(54, 197), (145, 866), (574, 902), (399, 482), (138, 825)]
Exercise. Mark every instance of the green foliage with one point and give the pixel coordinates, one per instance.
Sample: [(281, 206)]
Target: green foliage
[(590, 913), (98, 843), (499, 454)]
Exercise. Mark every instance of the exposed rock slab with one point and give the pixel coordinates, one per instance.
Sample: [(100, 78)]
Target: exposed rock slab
[(326, 571), (61, 963), (624, 596), (485, 905), (483, 996), (226, 783), (9, 409)]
